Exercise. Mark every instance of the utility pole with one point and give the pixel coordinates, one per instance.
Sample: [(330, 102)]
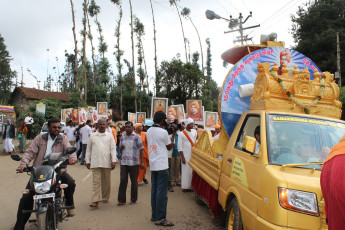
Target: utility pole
[(338, 59), (233, 23), (238, 22)]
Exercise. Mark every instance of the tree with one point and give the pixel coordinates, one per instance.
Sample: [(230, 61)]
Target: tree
[(314, 30), (180, 81), (133, 62), (155, 49), (83, 60), (142, 72), (89, 35), (186, 13), (173, 3), (118, 54), (75, 69), (6, 74)]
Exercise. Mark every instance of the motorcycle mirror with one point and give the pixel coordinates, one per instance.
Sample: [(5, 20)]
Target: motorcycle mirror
[(16, 157), (70, 150)]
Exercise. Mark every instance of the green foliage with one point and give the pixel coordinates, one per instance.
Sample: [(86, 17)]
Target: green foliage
[(314, 29), (74, 101), (6, 74), (53, 110)]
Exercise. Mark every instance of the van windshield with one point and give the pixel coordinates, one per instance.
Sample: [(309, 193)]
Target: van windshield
[(299, 140)]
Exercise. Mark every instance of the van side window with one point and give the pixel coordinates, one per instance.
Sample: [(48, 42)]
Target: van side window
[(250, 127)]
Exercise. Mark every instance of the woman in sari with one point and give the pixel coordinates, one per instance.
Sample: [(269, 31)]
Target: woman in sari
[(22, 134)]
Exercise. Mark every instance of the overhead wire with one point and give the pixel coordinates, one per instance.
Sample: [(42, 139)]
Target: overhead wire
[(275, 21)]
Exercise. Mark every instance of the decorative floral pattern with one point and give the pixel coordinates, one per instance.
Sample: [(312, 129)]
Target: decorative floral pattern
[(295, 100)]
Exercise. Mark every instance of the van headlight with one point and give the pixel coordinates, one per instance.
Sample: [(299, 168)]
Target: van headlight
[(42, 187), (298, 201)]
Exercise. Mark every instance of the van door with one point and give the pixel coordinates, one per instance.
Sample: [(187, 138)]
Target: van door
[(243, 169)]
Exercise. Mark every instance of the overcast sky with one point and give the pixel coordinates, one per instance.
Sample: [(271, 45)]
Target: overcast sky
[(31, 27)]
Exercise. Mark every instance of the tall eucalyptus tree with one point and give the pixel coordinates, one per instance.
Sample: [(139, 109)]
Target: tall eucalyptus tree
[(75, 69), (186, 13), (118, 53), (155, 45), (173, 3)]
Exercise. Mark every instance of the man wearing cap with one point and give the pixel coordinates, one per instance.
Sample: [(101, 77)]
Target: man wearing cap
[(185, 143)]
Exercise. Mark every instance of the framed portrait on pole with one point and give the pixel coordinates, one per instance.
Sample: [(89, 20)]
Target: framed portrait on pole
[(132, 117), (195, 111), (159, 104), (141, 117), (211, 119), (102, 109)]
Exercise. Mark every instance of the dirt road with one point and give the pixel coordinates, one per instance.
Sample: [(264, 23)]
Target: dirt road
[(183, 210)]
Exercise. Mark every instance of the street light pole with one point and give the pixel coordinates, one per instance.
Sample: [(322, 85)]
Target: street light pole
[(233, 23)]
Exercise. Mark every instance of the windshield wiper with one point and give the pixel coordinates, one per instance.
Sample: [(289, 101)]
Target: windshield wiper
[(302, 164)]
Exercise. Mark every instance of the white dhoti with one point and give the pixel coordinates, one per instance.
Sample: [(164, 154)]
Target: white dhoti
[(8, 145), (185, 146), (187, 172)]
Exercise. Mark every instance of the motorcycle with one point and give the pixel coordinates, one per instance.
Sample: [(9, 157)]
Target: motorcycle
[(49, 201)]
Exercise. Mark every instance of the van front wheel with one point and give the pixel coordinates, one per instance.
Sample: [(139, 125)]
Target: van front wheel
[(234, 220)]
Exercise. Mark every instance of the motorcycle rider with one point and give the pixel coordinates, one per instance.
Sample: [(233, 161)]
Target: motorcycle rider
[(41, 147)]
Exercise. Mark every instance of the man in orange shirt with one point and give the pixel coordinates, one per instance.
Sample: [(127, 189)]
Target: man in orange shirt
[(142, 171)]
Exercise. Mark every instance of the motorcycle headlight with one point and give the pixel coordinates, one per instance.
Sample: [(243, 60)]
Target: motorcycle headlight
[(298, 201), (42, 187)]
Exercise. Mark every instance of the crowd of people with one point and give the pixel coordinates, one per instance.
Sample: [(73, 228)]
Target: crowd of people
[(164, 147)]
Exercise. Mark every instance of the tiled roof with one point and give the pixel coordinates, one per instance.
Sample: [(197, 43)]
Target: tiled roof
[(32, 93)]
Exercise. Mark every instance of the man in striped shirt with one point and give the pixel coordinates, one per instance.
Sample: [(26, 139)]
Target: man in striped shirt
[(132, 148)]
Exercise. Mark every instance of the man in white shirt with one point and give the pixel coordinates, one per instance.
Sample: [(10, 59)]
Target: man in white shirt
[(28, 122), (69, 131), (101, 159), (186, 141), (159, 143), (85, 134)]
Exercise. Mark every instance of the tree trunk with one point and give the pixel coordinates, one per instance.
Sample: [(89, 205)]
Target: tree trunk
[(75, 69), (184, 38), (155, 41), (84, 53), (133, 63), (118, 59), (202, 55), (93, 55), (147, 76)]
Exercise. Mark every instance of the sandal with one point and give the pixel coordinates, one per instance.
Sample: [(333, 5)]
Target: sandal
[(94, 205), (165, 223), (120, 204)]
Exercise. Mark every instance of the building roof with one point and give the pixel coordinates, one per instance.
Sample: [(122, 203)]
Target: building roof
[(36, 94)]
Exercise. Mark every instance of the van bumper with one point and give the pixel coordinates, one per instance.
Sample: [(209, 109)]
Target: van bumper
[(262, 224)]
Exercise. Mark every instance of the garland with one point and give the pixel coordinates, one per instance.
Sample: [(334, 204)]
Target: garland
[(289, 94)]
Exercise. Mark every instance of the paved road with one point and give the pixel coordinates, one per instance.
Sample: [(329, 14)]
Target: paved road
[(182, 208)]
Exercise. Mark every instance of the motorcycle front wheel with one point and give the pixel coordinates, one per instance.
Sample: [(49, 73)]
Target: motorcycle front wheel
[(46, 220)]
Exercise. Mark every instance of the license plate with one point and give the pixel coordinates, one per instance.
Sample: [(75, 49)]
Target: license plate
[(44, 196)]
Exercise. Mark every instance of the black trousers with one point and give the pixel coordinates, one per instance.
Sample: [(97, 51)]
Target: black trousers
[(29, 136), (27, 202), (133, 174)]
